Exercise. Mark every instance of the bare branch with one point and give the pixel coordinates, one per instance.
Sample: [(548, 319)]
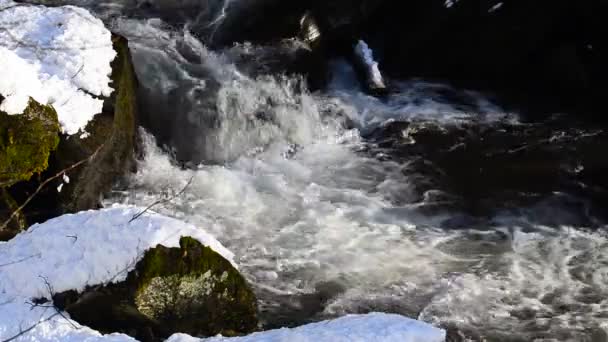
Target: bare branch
[(162, 201), (25, 331), (47, 181), (21, 260)]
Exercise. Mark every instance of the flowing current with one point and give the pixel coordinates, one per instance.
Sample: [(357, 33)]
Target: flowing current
[(325, 223)]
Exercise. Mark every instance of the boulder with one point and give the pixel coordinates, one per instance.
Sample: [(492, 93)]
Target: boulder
[(190, 289), (31, 144), (26, 142)]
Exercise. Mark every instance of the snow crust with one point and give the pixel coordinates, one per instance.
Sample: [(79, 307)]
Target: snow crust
[(56, 55), (352, 328), (366, 56), (73, 251)]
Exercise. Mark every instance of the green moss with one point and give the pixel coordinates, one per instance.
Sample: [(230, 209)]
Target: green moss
[(26, 142), (114, 129), (173, 283), (190, 289)]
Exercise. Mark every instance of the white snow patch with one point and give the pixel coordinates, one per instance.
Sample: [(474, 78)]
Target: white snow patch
[(495, 7), (56, 55), (71, 252), (352, 328), (366, 56)]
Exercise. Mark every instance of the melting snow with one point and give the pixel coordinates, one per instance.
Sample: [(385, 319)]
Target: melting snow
[(57, 55)]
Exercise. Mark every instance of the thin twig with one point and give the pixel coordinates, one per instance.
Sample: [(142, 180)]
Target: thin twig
[(162, 201), (21, 260), (23, 332), (47, 181)]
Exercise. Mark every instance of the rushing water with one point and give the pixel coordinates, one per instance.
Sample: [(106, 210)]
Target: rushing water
[(322, 221)]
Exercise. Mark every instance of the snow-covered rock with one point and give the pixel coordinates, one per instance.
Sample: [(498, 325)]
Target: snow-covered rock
[(71, 252), (56, 55), (102, 247), (353, 328)]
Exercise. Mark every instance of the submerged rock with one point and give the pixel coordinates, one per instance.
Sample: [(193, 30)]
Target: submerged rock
[(190, 289)]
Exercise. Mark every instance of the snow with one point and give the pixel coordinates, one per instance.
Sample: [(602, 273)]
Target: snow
[(73, 251), (365, 54), (352, 328), (56, 55)]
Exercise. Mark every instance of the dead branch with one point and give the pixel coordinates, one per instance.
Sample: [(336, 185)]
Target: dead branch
[(32, 327), (46, 182), (162, 201), (21, 260)]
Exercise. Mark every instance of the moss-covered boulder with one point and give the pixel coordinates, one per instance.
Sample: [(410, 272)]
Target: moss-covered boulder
[(104, 150), (191, 289), (26, 142)]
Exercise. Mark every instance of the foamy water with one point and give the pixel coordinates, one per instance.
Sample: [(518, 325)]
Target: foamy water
[(322, 226)]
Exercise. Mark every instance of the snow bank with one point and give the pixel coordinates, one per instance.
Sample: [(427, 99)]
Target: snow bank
[(73, 251), (57, 55), (354, 328)]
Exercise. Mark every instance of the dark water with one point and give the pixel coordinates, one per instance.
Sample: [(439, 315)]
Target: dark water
[(431, 202)]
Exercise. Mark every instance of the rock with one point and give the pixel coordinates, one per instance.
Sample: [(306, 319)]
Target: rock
[(190, 289), (26, 142), (113, 132), (107, 148)]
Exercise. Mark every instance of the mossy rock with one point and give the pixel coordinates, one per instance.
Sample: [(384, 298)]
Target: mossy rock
[(109, 138), (190, 289), (26, 142), (108, 149)]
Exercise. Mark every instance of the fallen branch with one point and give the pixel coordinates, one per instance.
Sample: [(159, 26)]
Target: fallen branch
[(17, 211), (162, 201)]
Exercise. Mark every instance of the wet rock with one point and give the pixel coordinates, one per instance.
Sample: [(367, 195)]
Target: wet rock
[(190, 289)]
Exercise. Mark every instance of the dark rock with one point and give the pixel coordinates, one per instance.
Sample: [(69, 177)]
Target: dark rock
[(190, 289), (112, 133)]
